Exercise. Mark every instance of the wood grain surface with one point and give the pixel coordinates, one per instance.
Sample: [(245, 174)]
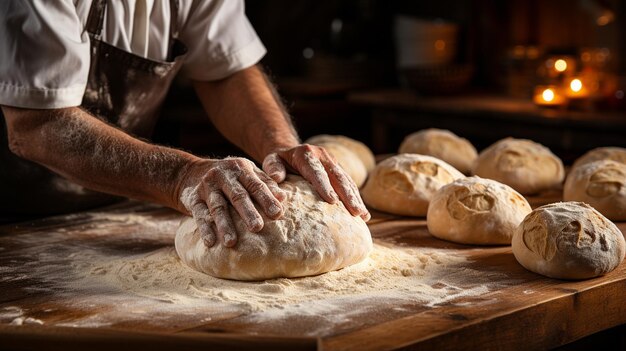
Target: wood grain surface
[(521, 310)]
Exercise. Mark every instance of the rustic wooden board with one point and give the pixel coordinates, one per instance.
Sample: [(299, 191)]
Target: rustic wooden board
[(524, 311)]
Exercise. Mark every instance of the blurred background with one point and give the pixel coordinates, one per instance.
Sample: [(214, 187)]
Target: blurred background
[(376, 70)]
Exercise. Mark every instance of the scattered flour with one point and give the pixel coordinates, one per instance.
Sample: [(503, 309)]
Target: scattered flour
[(161, 276), (115, 268)]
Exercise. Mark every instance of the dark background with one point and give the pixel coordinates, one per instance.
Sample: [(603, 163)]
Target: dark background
[(322, 92)]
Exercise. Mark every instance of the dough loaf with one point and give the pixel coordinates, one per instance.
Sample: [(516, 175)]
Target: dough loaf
[(311, 238), (568, 240), (361, 150), (617, 154), (476, 211), (405, 183), (524, 165), (601, 184), (442, 144)]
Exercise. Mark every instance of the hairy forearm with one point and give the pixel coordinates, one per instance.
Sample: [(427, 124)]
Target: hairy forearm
[(246, 109), (97, 156)]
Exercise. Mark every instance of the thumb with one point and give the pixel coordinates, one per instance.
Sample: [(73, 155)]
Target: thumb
[(274, 167)]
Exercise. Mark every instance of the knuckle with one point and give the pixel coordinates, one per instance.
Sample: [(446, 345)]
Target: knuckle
[(238, 196)]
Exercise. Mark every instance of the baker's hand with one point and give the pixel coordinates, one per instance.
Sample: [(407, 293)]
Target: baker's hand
[(316, 165), (212, 184)]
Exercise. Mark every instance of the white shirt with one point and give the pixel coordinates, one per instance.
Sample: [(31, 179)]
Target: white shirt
[(44, 46)]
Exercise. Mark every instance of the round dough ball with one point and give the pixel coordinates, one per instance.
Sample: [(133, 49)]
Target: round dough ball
[(522, 164), (405, 183), (442, 144), (311, 238), (617, 154), (361, 150), (349, 161), (601, 184), (476, 211), (568, 240)]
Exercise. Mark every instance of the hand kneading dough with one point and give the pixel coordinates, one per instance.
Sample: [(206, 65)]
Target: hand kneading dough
[(522, 164), (442, 144), (360, 150), (617, 154), (568, 240), (601, 184), (405, 183), (476, 211), (348, 161), (312, 237)]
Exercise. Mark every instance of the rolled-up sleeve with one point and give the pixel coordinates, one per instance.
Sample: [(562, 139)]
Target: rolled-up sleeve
[(220, 39), (44, 54)]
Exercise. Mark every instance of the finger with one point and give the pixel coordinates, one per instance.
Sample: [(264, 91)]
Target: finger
[(239, 197), (313, 171), (271, 184), (200, 213), (345, 188), (218, 208), (274, 167), (262, 195)]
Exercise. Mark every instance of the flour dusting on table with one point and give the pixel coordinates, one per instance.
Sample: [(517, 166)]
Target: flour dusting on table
[(110, 276)]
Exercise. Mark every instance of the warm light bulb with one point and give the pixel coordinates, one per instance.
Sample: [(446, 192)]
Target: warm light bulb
[(560, 65), (548, 95), (576, 85)]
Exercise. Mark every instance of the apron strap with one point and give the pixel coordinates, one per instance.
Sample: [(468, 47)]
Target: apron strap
[(174, 19), (95, 19)]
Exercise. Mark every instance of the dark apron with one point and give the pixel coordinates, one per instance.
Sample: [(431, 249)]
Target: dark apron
[(123, 89)]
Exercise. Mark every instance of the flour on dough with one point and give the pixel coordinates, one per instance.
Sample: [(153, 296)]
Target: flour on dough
[(311, 238)]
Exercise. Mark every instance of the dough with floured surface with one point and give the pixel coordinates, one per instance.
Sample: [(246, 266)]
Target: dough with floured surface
[(311, 238), (474, 210), (524, 165), (568, 240), (601, 184), (404, 184), (442, 144), (617, 154)]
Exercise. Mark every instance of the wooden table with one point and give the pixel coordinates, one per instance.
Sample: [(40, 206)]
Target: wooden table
[(524, 311)]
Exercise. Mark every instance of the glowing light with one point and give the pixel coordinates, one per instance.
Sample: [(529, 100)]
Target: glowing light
[(440, 45), (548, 95), (576, 85), (560, 65)]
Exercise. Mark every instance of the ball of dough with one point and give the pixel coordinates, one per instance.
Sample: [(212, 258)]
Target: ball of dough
[(568, 240), (442, 144), (476, 211), (601, 184), (405, 183), (349, 161), (361, 150), (311, 238), (522, 164), (617, 154)]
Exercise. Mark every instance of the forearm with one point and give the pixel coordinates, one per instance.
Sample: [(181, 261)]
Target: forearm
[(246, 109), (98, 156)]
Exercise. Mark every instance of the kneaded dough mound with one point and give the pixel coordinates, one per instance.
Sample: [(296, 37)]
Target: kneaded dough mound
[(361, 150), (601, 184), (617, 154), (442, 144), (476, 211), (522, 164), (568, 240), (311, 238), (405, 183)]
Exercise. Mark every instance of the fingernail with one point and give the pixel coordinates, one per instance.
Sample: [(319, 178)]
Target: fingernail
[(256, 225), (230, 240), (274, 210)]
